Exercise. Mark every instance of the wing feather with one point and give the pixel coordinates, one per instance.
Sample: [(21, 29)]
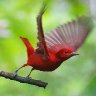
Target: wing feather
[(41, 45), (70, 35)]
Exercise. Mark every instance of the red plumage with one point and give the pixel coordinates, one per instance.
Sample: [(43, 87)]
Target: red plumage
[(58, 45), (30, 49)]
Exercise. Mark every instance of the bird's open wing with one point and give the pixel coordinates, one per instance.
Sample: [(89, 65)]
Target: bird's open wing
[(70, 35), (41, 45)]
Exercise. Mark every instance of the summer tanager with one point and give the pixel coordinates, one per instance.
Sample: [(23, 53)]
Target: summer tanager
[(56, 46)]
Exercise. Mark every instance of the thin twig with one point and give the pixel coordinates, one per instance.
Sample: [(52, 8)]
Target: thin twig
[(21, 79)]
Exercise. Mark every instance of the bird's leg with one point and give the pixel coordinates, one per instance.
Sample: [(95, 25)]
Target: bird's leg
[(28, 76), (16, 71)]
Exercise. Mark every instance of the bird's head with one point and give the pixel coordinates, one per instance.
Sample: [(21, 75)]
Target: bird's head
[(66, 53)]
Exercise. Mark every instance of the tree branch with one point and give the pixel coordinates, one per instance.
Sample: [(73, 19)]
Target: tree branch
[(21, 79)]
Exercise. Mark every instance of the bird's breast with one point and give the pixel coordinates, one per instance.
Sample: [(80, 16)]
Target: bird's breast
[(39, 62)]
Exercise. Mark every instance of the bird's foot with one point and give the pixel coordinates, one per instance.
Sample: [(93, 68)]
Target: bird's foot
[(28, 77), (15, 74)]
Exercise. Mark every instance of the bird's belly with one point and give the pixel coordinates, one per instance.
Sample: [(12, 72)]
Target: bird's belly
[(43, 64), (46, 66)]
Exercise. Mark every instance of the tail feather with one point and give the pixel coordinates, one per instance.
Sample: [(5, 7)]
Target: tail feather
[(30, 49)]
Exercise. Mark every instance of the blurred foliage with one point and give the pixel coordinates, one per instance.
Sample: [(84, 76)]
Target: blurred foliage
[(76, 77)]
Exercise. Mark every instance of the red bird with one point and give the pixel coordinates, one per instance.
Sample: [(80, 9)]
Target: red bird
[(56, 46)]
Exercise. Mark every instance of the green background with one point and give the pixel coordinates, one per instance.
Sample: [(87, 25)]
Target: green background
[(75, 77)]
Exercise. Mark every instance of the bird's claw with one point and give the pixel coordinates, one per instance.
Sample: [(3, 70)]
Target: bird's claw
[(27, 77), (15, 74)]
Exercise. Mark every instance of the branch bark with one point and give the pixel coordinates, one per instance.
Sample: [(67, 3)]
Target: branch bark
[(21, 79)]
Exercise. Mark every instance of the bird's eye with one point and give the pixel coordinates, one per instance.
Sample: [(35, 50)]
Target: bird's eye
[(65, 52)]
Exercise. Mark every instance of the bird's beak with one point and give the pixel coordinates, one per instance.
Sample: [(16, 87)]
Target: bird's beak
[(74, 53)]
